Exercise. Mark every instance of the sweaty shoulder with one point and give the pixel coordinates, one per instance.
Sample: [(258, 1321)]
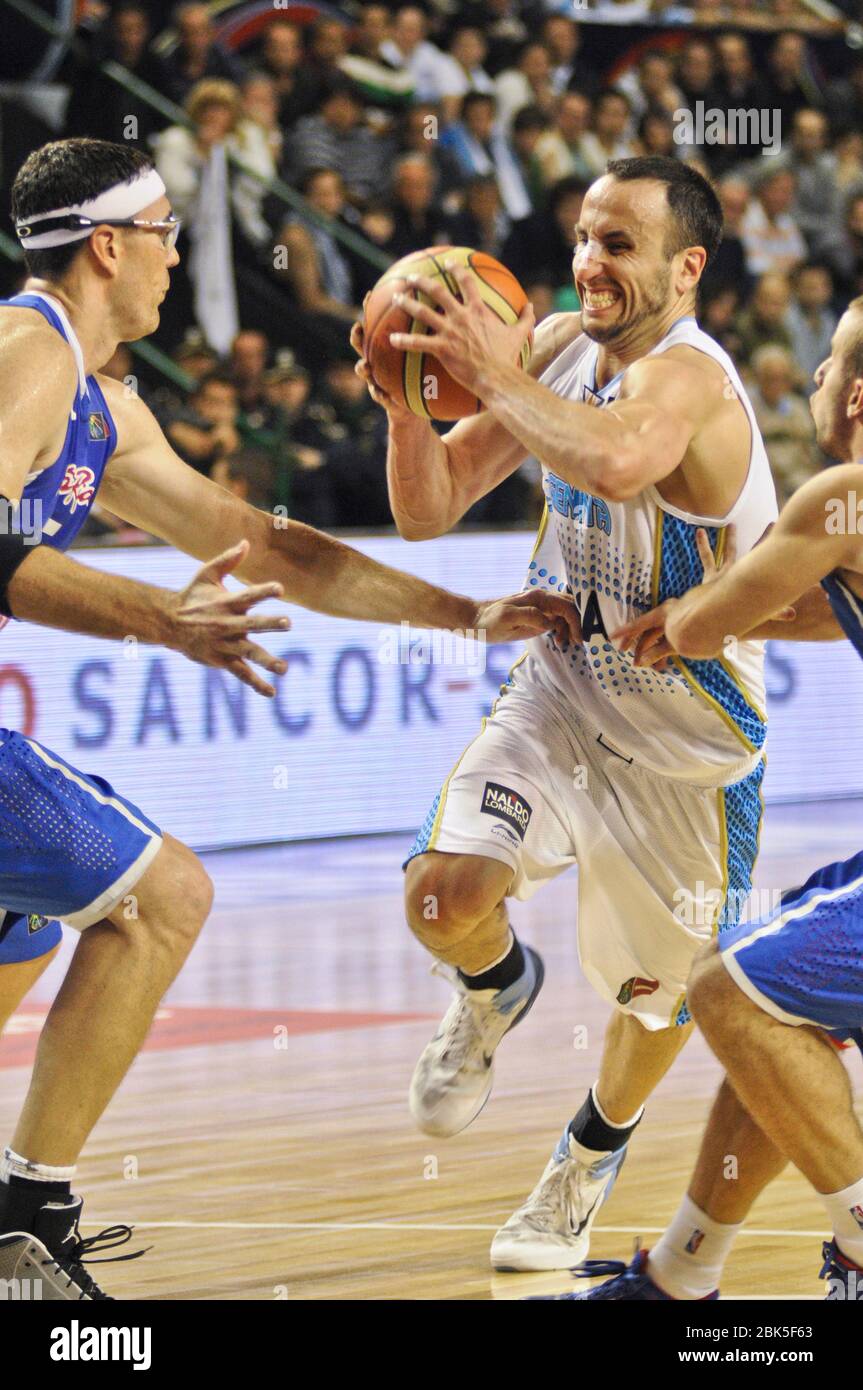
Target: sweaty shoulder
[(554, 334), (688, 378), (38, 379)]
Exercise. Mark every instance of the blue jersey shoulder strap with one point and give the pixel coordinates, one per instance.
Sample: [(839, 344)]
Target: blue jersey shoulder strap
[(847, 609)]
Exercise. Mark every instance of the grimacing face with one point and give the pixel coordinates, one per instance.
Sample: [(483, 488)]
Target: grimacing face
[(837, 389), (620, 266)]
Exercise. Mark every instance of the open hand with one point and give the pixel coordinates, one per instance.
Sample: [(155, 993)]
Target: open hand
[(527, 615), (211, 624)]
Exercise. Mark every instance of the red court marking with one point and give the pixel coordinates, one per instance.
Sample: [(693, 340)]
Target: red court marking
[(179, 1026)]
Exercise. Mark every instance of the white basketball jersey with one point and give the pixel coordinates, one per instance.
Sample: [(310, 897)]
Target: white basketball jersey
[(700, 721)]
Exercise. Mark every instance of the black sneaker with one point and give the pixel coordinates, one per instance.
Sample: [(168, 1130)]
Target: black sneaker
[(46, 1261)]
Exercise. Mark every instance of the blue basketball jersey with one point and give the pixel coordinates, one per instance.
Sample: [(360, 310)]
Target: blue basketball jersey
[(66, 489), (847, 609)]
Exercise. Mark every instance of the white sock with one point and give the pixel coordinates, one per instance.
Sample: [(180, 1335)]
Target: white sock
[(13, 1165), (687, 1260), (845, 1210)]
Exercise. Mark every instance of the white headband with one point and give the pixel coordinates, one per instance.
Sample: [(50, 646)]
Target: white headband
[(114, 205)]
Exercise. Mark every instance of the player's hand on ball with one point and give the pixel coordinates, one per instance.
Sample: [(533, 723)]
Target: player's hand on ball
[(464, 334), (364, 371), (211, 624), (525, 615)]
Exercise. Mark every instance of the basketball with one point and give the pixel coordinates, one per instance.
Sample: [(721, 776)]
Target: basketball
[(416, 379)]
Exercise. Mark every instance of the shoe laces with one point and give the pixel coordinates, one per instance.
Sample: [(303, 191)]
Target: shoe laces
[(462, 1024), (72, 1264), (550, 1202)]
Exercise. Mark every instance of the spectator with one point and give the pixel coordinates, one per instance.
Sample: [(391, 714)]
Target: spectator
[(356, 451), (728, 267), (562, 38), (845, 100), (696, 75), (197, 54), (478, 146), (503, 24), (656, 135), (740, 88), (771, 238), (205, 430), (541, 247), (718, 312), (282, 58), (437, 76), (527, 84), (337, 138), (846, 258), (468, 50), (848, 151), (248, 365), (528, 127), (607, 140), (650, 87), (327, 45), (202, 189), (420, 133), (816, 208), (102, 108), (317, 270), (417, 220), (811, 318), (790, 86), (249, 474), (373, 29), (764, 320), (483, 223), (559, 151), (784, 421)]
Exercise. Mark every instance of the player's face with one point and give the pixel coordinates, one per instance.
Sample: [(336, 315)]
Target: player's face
[(145, 275), (838, 392), (620, 266)]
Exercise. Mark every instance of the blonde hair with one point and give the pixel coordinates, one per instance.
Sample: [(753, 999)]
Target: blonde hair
[(214, 91)]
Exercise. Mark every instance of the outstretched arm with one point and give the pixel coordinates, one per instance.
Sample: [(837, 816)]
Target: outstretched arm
[(743, 599), (150, 486)]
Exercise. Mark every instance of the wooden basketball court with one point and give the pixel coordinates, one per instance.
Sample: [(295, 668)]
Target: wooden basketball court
[(262, 1143)]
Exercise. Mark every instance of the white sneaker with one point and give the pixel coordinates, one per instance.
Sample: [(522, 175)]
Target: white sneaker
[(552, 1229), (453, 1077)]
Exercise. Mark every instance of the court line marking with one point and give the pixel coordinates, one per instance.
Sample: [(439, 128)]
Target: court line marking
[(758, 1231)]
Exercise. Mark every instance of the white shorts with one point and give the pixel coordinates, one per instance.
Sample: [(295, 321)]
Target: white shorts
[(662, 865)]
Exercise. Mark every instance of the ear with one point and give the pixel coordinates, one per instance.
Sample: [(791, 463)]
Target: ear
[(104, 246), (692, 266), (854, 408)]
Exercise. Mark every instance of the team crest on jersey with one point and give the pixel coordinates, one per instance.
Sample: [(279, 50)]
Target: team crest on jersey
[(635, 986), (77, 487), (507, 805), (35, 922), (97, 425)]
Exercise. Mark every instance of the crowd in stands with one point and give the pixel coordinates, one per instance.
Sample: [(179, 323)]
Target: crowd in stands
[(473, 123)]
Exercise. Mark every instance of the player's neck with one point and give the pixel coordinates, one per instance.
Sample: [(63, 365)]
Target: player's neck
[(614, 358), (89, 316)]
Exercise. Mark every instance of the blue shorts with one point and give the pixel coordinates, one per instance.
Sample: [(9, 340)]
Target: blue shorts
[(26, 936), (70, 847), (804, 962)]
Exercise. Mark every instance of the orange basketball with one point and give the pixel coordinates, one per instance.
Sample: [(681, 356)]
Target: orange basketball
[(416, 379)]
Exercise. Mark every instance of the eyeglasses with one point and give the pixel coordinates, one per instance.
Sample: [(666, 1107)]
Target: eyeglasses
[(168, 227)]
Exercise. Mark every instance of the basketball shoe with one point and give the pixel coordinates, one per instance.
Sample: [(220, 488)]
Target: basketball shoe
[(628, 1284), (47, 1258), (453, 1078), (844, 1278), (552, 1229)]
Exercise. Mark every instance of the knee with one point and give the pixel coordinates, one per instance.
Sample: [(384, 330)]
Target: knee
[(707, 990), (174, 899), (447, 895)]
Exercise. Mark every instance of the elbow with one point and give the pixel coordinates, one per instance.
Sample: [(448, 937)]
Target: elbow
[(418, 531)]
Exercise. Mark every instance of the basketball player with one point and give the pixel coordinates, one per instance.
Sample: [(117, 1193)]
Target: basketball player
[(99, 236), (648, 780), (770, 995)]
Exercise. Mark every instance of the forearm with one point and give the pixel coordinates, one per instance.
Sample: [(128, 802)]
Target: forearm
[(588, 448), (50, 589), (813, 621), (321, 573), (418, 479)]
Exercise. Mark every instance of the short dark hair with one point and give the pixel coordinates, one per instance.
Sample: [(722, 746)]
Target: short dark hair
[(66, 172), (478, 99), (529, 118), (219, 377), (696, 213), (310, 175)]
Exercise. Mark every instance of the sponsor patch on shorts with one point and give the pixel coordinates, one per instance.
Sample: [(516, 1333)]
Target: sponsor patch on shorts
[(507, 805)]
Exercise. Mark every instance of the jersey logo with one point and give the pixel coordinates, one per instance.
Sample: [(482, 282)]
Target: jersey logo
[(97, 425), (582, 507), (77, 487), (636, 985)]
